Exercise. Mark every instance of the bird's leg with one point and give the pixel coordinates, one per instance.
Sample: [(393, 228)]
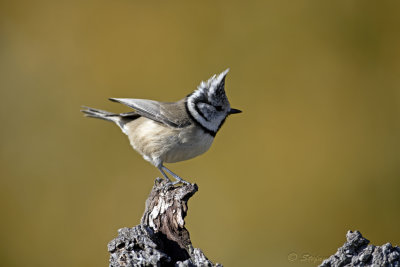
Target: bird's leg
[(179, 179), (163, 173)]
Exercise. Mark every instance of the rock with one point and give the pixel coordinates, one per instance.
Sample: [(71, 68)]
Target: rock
[(357, 252)]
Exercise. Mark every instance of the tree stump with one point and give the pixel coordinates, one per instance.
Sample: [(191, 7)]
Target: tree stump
[(161, 238)]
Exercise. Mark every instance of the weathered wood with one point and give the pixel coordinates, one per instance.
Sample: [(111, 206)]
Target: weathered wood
[(357, 252), (161, 239)]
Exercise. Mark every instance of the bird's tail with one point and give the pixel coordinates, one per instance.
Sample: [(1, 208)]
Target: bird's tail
[(119, 119), (100, 114)]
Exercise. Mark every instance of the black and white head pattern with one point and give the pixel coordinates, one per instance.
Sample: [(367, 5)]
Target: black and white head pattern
[(208, 105)]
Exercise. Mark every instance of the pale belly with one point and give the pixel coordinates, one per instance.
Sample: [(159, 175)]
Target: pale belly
[(189, 148), (158, 143)]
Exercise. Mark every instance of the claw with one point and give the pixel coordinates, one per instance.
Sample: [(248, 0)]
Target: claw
[(181, 182)]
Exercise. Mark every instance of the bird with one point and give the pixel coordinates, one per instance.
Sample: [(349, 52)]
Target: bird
[(168, 132)]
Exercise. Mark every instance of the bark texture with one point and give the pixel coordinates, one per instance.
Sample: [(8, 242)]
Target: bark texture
[(357, 252), (161, 239)]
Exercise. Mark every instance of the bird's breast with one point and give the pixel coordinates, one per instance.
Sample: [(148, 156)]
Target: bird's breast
[(157, 142), (193, 141)]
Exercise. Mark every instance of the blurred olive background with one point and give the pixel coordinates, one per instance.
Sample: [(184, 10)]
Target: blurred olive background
[(315, 153)]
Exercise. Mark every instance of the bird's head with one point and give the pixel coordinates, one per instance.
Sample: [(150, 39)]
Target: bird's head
[(209, 105)]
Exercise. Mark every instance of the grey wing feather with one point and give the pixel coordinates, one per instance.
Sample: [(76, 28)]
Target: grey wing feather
[(172, 114)]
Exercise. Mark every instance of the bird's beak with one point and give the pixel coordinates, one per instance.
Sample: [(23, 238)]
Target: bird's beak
[(234, 111)]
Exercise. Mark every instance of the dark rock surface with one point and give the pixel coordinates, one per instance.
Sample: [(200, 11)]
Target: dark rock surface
[(357, 252), (161, 239)]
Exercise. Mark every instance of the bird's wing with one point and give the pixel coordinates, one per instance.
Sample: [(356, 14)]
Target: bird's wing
[(172, 114)]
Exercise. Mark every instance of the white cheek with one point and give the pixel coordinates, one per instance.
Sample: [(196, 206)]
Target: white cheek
[(212, 126)]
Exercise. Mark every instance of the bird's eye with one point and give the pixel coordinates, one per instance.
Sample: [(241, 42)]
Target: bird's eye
[(218, 108)]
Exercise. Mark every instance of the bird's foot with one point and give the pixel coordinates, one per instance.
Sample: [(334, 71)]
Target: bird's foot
[(170, 183), (181, 181)]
